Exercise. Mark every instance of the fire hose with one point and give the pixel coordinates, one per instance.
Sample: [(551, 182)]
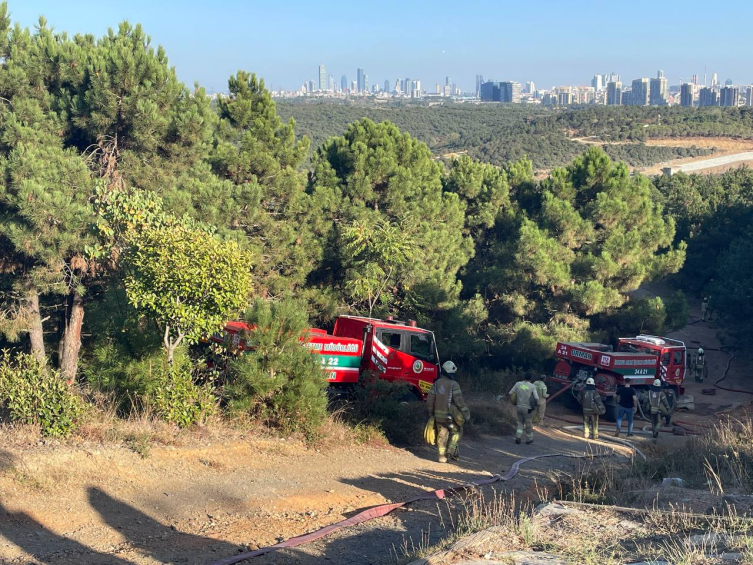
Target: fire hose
[(384, 509)]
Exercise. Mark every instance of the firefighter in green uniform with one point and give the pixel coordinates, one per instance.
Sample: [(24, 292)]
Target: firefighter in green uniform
[(540, 411), (700, 368), (445, 402), (659, 406), (593, 407), (705, 313), (521, 395)]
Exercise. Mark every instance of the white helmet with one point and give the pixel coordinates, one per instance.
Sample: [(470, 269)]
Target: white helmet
[(657, 382), (449, 367), (589, 381), (700, 351)]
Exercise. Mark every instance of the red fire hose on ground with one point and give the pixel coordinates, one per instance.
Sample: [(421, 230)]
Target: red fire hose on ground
[(384, 509)]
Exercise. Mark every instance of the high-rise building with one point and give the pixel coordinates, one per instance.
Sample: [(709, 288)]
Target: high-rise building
[(694, 80), (359, 78), (438, 89), (486, 91), (447, 90), (614, 77), (366, 83), (386, 85), (509, 91), (344, 83), (479, 82), (729, 96), (707, 97), (447, 81), (331, 83), (728, 82), (749, 97), (687, 93), (658, 91), (354, 87), (660, 74), (311, 85), (614, 93), (530, 87), (408, 87), (714, 80), (322, 77), (598, 82), (640, 92)]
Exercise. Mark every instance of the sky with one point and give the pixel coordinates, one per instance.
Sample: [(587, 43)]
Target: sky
[(550, 43)]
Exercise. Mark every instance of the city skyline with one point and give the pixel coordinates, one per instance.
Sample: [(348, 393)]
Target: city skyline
[(550, 44)]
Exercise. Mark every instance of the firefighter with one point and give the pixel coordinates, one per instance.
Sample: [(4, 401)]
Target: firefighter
[(543, 395), (593, 407), (659, 406), (522, 393), (445, 402), (705, 308), (700, 369)]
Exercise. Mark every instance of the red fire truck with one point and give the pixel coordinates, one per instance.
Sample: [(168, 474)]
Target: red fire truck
[(392, 349), (637, 360)]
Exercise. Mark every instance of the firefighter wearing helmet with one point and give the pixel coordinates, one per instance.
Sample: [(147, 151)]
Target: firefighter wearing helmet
[(448, 408), (593, 407), (700, 369), (659, 406)]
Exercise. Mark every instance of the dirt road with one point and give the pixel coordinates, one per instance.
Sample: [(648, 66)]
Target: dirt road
[(197, 503)]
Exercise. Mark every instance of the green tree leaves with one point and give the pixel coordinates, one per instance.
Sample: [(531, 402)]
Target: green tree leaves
[(187, 280)]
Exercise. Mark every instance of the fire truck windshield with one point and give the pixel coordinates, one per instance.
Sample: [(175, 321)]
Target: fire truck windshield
[(422, 346)]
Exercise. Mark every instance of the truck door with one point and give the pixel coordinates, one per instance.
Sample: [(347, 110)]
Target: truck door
[(424, 368), (677, 370), (396, 344)]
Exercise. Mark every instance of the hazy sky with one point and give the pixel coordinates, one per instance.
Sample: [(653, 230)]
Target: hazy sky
[(549, 42)]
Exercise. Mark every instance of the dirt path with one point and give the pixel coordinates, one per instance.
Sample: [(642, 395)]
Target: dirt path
[(105, 504), (194, 505)]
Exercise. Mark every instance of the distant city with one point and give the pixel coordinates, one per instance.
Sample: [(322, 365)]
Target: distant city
[(607, 89)]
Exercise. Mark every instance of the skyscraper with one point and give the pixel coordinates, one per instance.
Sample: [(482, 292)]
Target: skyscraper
[(598, 82), (729, 96), (658, 91), (322, 77), (447, 81), (749, 98), (408, 87), (387, 85), (707, 97), (614, 93), (344, 83), (687, 92), (714, 80), (509, 91), (359, 80), (366, 83), (640, 93), (331, 83), (530, 87), (479, 82)]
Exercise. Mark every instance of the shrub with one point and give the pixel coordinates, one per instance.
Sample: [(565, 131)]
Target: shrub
[(34, 394), (390, 407), (177, 399), (276, 378), (677, 311)]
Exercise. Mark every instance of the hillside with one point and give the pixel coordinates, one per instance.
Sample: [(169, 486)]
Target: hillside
[(549, 136)]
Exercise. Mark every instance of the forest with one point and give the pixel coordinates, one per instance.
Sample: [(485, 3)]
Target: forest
[(500, 133), (138, 217)]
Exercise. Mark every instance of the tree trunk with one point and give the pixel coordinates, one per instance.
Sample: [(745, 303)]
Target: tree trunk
[(36, 332), (71, 340)]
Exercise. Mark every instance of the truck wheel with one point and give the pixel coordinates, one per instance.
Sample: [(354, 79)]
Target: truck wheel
[(611, 409), (411, 396)]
